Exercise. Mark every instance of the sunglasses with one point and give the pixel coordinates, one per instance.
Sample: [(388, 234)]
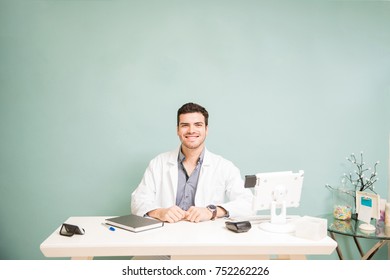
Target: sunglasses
[(70, 230)]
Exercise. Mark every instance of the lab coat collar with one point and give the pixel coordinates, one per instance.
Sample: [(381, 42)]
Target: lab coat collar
[(173, 157)]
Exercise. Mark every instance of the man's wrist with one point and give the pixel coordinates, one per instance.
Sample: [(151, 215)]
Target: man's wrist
[(213, 210), (153, 213), (222, 212)]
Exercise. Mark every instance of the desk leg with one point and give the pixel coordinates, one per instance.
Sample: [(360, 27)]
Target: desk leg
[(388, 250), (220, 257), (364, 256), (290, 257), (370, 253), (240, 257), (81, 258), (338, 247), (358, 246)]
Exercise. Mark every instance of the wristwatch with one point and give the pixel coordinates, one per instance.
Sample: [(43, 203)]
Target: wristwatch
[(213, 210)]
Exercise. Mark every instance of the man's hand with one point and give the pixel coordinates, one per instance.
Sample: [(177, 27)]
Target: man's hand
[(198, 214), (172, 214)]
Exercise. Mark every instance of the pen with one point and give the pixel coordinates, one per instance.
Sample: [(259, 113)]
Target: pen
[(108, 226)]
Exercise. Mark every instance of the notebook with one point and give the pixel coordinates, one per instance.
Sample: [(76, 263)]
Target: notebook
[(134, 223)]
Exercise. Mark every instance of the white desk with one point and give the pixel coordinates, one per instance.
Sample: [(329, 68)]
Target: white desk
[(182, 240)]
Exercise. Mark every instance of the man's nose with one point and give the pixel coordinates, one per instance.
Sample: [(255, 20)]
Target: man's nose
[(191, 128)]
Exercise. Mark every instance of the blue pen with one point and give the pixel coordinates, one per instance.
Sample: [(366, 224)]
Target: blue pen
[(109, 227)]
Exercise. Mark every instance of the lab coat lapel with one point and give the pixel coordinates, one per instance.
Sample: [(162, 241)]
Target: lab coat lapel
[(173, 174), (203, 190)]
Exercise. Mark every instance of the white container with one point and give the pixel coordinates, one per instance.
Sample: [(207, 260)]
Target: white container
[(311, 228)]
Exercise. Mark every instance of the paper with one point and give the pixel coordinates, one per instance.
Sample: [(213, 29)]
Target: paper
[(365, 214), (369, 200), (366, 201)]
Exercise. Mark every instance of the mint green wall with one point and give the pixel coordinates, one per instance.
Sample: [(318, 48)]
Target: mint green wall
[(89, 92)]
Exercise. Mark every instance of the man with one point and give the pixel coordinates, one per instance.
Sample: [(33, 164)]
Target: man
[(191, 183)]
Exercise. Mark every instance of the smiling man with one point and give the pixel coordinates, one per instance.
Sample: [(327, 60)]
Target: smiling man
[(191, 183)]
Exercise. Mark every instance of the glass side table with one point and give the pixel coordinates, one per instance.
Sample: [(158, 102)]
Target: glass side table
[(351, 228)]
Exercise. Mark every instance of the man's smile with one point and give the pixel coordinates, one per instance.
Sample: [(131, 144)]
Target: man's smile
[(191, 137)]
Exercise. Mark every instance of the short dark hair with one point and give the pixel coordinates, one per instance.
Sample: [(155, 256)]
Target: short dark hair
[(193, 108)]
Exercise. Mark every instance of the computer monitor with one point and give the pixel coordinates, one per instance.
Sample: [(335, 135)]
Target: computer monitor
[(276, 191)]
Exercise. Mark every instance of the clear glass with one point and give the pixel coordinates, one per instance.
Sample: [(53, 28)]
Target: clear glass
[(343, 204)]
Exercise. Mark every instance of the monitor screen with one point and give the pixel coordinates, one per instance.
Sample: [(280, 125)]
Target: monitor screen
[(276, 190), (278, 187)]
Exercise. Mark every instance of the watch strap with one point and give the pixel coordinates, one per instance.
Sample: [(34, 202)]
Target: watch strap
[(213, 210)]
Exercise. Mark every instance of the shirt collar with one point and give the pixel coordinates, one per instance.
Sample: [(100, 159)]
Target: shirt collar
[(181, 157)]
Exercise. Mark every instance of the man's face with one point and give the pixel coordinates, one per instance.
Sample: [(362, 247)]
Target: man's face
[(192, 130)]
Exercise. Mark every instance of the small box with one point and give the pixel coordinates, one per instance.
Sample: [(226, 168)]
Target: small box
[(311, 228)]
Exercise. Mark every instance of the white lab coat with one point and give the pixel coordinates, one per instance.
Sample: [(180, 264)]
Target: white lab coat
[(220, 183)]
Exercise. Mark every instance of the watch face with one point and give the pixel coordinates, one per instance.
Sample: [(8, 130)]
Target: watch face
[(212, 207)]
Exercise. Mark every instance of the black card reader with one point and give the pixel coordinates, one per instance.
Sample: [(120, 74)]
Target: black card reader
[(242, 226)]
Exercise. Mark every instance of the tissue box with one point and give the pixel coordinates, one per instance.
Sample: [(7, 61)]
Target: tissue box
[(311, 228)]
